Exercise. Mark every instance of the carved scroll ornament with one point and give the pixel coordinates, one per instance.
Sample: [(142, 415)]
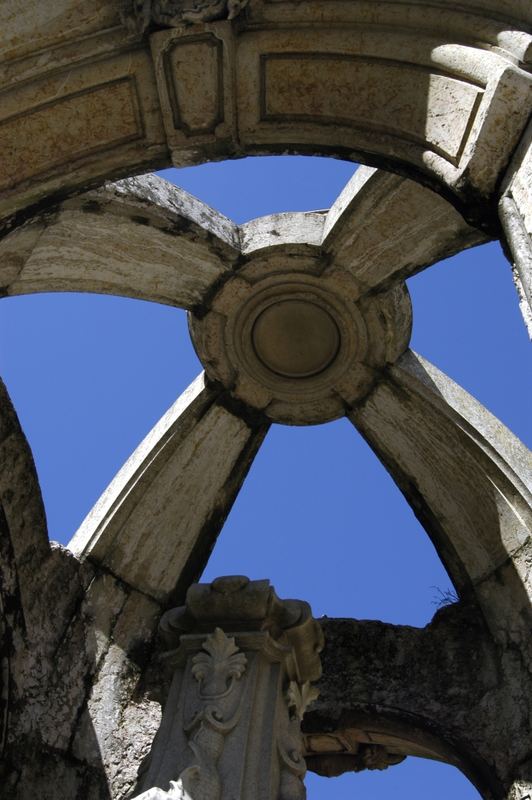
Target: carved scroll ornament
[(217, 669)]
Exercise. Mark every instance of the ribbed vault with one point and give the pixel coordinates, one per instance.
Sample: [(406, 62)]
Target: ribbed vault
[(100, 93)]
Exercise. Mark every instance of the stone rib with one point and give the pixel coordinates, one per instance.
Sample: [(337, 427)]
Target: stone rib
[(466, 477), (384, 228), (141, 238), (155, 525)]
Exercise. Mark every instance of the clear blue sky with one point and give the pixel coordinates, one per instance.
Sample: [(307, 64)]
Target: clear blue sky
[(318, 515)]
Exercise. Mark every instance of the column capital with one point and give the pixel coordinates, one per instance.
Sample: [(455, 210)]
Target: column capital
[(243, 662), (238, 605)]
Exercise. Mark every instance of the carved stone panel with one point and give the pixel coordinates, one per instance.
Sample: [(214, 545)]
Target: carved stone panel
[(332, 85), (59, 121), (104, 129), (371, 93), (193, 77), (231, 725)]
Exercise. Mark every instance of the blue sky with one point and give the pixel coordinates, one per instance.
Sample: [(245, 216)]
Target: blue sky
[(318, 514)]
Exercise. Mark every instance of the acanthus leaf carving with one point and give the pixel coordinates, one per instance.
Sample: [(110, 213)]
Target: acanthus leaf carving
[(290, 743), (299, 697), (216, 668), (220, 664)]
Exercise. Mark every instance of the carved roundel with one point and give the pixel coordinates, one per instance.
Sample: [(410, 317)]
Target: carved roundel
[(299, 342)]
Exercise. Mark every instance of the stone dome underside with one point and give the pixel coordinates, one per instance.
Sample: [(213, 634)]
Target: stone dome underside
[(439, 91)]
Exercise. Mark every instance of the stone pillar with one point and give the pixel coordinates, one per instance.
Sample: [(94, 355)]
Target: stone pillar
[(243, 662)]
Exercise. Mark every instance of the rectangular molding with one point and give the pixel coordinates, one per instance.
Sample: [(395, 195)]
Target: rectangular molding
[(67, 128), (370, 93)]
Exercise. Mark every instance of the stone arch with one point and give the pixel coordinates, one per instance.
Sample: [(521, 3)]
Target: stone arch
[(128, 88), (371, 84), (392, 691), (467, 479)]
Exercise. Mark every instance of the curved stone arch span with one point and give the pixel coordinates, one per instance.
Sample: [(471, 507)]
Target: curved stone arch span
[(466, 477), (91, 96), (376, 83), (371, 739), (396, 694)]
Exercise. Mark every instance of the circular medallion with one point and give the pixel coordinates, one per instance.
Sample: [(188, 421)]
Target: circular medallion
[(295, 338), (301, 344)]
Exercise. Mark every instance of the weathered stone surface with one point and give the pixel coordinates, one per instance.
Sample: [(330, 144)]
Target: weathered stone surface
[(145, 238), (58, 622), (334, 279), (173, 13), (112, 707), (231, 725), (139, 238), (383, 229), (381, 81), (157, 522), (443, 97), (515, 211), (467, 478), (439, 692)]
